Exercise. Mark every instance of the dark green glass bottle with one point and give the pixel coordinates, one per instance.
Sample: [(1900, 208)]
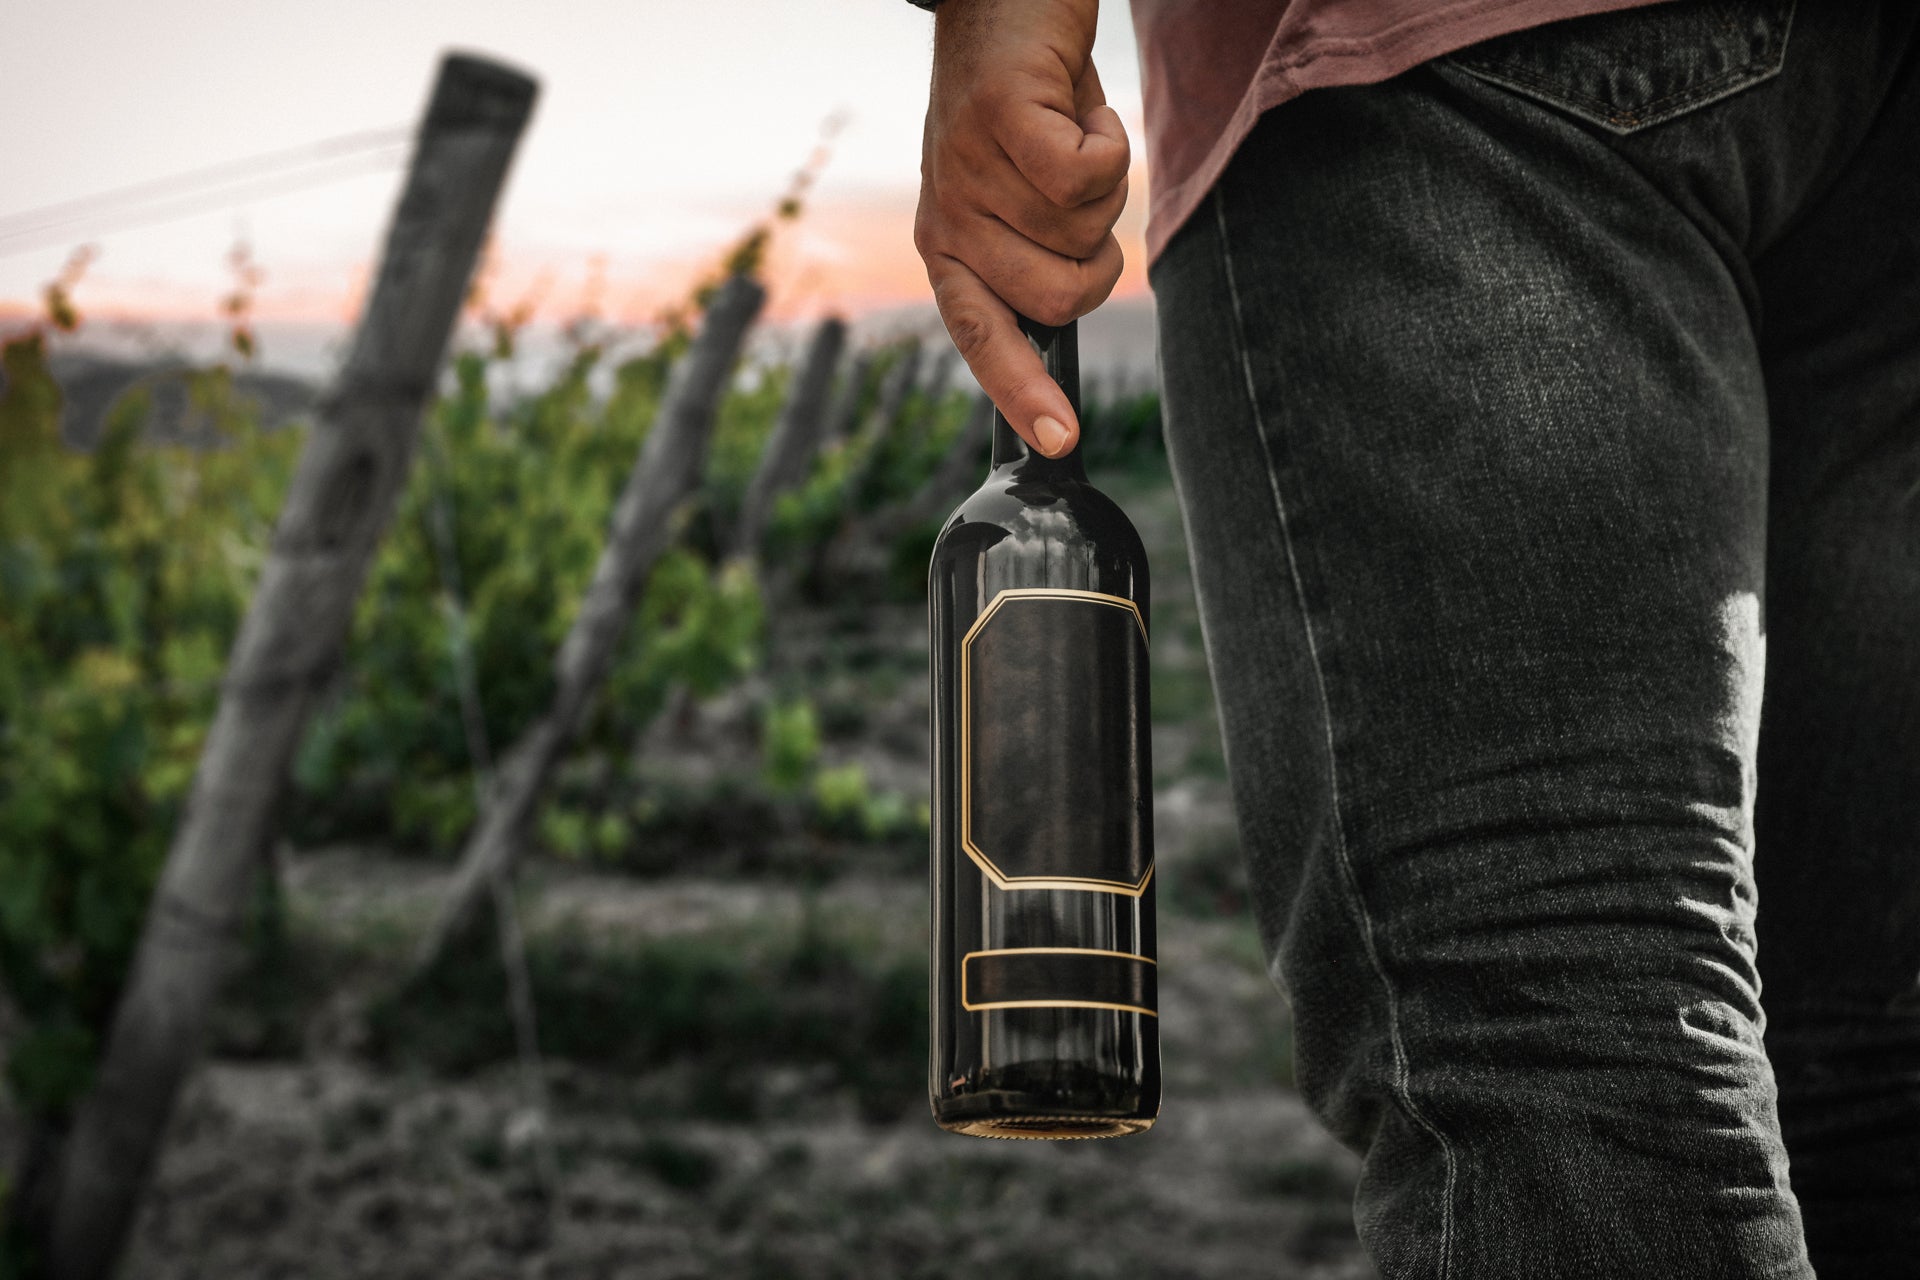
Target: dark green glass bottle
[(1045, 1010)]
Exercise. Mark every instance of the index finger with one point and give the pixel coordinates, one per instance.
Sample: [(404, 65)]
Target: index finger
[(988, 337)]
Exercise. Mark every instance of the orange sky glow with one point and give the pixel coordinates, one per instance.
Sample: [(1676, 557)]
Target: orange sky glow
[(846, 254), (663, 132)]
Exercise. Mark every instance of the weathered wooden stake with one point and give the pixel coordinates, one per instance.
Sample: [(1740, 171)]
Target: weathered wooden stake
[(931, 396), (961, 471), (795, 438), (343, 494), (894, 392), (845, 413), (883, 428), (663, 476)]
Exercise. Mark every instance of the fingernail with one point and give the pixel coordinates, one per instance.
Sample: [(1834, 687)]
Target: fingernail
[(1053, 435)]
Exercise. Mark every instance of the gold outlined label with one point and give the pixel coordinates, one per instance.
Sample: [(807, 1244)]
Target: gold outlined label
[(1000, 878), (1052, 1004)]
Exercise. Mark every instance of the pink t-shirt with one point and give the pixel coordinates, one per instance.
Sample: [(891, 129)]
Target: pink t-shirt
[(1208, 68)]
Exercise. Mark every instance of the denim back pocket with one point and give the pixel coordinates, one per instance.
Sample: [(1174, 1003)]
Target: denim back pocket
[(1632, 68)]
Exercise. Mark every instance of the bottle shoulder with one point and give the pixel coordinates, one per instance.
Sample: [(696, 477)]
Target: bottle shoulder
[(1056, 512)]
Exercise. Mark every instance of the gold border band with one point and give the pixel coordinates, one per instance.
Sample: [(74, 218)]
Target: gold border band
[(999, 878), (1051, 1004)]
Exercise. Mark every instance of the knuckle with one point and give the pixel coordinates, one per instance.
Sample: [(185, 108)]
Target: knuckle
[(1023, 389), (971, 331), (1086, 238), (1060, 186), (1101, 282), (932, 223), (1077, 233), (1056, 303)]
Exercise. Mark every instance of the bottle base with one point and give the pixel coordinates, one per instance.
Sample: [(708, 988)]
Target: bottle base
[(1056, 1128), (1075, 1103)]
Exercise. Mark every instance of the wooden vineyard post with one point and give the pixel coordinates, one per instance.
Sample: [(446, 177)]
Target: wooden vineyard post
[(884, 430), (663, 477), (935, 392), (867, 540), (845, 413), (893, 394), (343, 494), (878, 438), (960, 472), (795, 438)]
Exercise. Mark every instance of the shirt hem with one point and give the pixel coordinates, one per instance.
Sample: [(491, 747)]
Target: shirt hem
[(1283, 78)]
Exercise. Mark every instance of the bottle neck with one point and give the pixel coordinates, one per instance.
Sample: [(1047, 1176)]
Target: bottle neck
[(1059, 351)]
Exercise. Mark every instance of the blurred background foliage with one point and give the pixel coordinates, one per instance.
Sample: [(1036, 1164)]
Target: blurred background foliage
[(123, 575), (124, 572), (724, 909)]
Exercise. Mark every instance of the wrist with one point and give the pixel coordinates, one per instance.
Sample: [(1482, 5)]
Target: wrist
[(1064, 24)]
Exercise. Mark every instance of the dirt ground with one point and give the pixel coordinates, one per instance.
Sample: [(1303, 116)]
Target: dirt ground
[(315, 1157), (331, 1167)]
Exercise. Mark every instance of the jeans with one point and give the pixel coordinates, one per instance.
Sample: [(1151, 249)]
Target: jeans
[(1546, 425)]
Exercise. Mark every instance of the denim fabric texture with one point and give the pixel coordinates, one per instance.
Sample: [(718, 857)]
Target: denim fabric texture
[(1546, 424)]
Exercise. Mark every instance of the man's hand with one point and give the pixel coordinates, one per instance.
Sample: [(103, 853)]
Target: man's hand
[(1023, 172)]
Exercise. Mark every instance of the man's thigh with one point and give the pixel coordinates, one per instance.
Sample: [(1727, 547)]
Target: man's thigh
[(1837, 818), (1470, 433)]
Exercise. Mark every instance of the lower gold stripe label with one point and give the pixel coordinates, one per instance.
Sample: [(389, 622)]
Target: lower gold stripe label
[(1058, 977)]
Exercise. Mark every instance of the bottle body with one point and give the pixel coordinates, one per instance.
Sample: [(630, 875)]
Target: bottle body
[(1044, 977)]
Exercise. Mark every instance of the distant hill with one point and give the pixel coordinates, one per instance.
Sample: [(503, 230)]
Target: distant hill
[(1116, 352), (91, 384)]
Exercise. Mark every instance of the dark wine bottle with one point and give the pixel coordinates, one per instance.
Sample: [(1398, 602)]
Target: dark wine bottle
[(1045, 1012)]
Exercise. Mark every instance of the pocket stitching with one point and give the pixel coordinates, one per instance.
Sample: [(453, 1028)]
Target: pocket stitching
[(1630, 117), (1766, 63)]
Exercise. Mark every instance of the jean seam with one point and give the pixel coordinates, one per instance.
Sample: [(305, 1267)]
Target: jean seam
[(1399, 1081)]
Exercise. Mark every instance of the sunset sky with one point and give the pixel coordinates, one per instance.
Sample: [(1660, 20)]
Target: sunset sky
[(663, 131)]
